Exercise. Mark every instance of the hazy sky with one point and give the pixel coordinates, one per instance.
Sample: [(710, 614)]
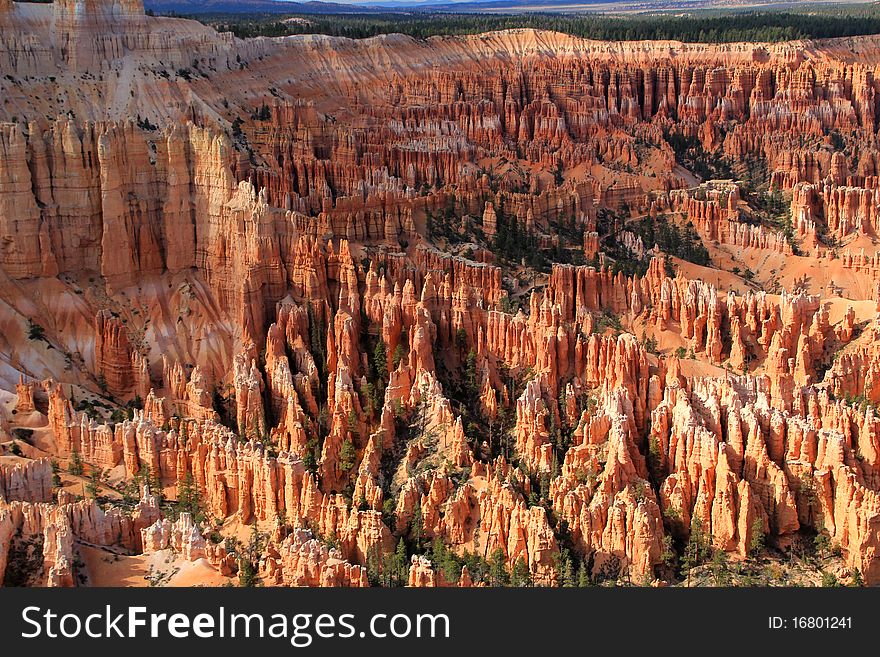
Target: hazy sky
[(598, 4)]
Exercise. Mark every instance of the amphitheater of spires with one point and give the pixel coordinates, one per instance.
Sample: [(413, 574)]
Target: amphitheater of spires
[(387, 301)]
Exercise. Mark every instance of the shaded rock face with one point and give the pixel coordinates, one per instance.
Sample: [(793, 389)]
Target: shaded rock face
[(28, 481), (355, 315)]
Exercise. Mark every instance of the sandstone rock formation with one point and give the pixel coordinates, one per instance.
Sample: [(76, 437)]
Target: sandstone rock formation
[(402, 320)]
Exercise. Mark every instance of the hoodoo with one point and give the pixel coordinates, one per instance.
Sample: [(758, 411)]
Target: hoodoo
[(516, 307)]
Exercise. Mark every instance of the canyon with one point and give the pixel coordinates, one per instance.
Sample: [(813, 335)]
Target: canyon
[(512, 308)]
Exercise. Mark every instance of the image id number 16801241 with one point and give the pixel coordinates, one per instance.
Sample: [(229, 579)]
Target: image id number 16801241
[(810, 623)]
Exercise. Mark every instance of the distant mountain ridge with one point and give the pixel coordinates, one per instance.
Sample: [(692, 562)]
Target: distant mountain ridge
[(251, 7), (453, 6)]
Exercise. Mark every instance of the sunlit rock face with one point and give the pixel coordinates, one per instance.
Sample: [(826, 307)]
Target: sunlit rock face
[(390, 311)]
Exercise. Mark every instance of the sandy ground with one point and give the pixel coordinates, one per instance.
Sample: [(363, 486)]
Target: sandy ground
[(722, 280), (164, 568), (108, 569)]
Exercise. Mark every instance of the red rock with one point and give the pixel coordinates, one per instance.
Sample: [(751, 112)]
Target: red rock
[(240, 282)]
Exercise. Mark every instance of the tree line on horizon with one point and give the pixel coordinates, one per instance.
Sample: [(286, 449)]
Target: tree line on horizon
[(722, 28)]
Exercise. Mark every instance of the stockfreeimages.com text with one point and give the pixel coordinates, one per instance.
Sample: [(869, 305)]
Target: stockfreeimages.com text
[(300, 629)]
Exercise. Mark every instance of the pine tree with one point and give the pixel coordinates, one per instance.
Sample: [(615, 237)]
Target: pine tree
[(829, 580), (756, 539), (153, 483), (470, 374), (399, 355), (565, 570), (583, 576), (189, 498), (76, 463), (416, 529), (131, 490), (697, 549), (719, 568), (347, 456), (655, 461), (380, 360), (521, 575), (498, 573), (374, 566), (248, 563), (93, 486), (310, 463), (398, 571), (857, 579)]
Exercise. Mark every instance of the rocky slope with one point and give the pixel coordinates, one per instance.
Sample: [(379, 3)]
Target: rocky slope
[(479, 310)]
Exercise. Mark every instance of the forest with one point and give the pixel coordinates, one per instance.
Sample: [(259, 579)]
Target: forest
[(761, 26)]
